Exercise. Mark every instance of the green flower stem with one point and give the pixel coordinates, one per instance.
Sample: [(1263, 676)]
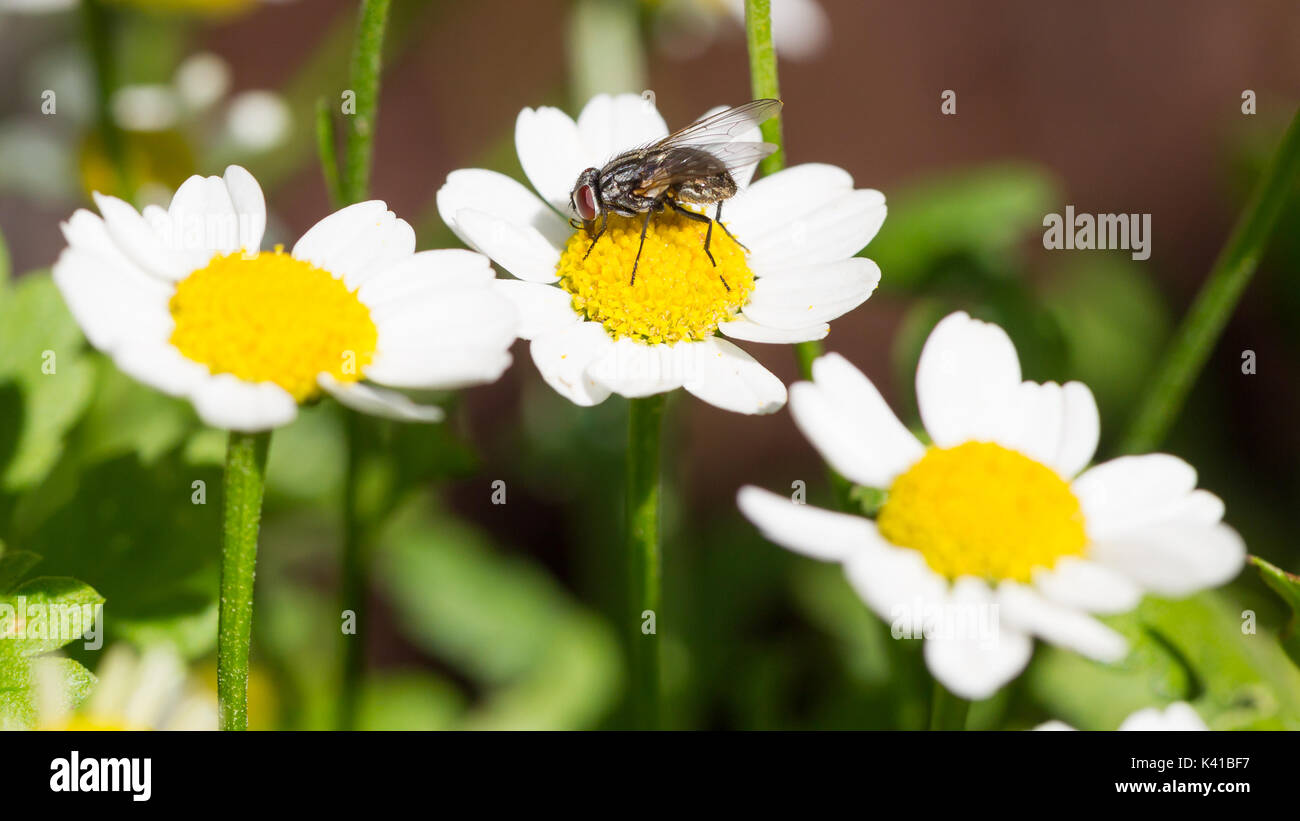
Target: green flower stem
[(1218, 297), (97, 26), (645, 423), (764, 85), (367, 65), (244, 483), (327, 148), (352, 185), (762, 76), (355, 579), (947, 712)]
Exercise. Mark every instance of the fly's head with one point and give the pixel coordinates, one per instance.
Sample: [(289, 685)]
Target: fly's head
[(585, 199)]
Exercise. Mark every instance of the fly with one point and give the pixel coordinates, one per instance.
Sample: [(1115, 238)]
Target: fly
[(693, 165)]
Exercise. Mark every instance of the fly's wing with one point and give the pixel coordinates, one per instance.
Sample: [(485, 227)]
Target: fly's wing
[(662, 169), (722, 127), (738, 155)]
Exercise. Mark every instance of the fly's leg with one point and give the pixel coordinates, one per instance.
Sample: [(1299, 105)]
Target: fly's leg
[(708, 235), (604, 223), (644, 227), (717, 217)]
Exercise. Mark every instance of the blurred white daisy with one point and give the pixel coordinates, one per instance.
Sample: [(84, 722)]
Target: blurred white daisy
[(1177, 716), (202, 7), (152, 690), (996, 528), (182, 300), (596, 332), (685, 28), (35, 6)]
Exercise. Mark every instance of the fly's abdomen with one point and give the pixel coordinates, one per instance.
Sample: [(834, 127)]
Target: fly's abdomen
[(705, 190)]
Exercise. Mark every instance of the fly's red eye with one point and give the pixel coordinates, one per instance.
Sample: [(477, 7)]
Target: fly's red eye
[(585, 202)]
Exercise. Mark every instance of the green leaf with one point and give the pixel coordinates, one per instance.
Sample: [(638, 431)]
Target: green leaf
[(1068, 685), (1286, 585), (1114, 321), (13, 566), (456, 597), (137, 534), (982, 213), (410, 701), (45, 380), (1244, 680), (64, 684), (125, 416), (45, 614)]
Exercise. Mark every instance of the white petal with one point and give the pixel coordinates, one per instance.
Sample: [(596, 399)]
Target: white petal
[(1024, 609), (975, 667), (138, 240), (112, 299), (611, 124), (811, 531), (443, 368), (250, 206), (520, 249), (225, 401), (1080, 430), (201, 221), (379, 402), (425, 275), (965, 380), (835, 231), (543, 309), (815, 294), (502, 197), (1088, 585), (357, 242), (632, 369), (1177, 716), (162, 367), (1055, 725), (750, 331), (551, 152), (1052, 424), (474, 318), (849, 424), (728, 378), (897, 584), (1138, 491), (1175, 559), (794, 192), (563, 359)]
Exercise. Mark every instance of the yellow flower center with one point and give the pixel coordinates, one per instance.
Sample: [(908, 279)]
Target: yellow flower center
[(678, 295), (205, 7), (272, 318), (83, 723), (982, 510)]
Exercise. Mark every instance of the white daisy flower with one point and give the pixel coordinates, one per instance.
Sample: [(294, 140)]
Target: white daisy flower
[(996, 528), (594, 331), (1177, 716), (151, 690), (183, 301), (800, 28)]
